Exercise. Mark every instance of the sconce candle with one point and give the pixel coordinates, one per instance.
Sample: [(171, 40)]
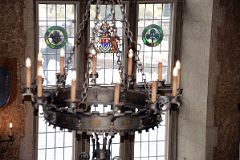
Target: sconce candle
[(94, 62), (39, 82), (178, 66), (62, 59), (154, 91), (10, 129), (28, 72), (160, 68), (73, 86), (130, 61), (174, 82)]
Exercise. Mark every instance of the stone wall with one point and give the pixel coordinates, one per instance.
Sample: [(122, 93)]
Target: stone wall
[(195, 55), (28, 153), (227, 110), (209, 121), (12, 42)]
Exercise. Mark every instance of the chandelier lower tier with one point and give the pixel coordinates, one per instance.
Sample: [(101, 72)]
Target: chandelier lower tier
[(132, 113)]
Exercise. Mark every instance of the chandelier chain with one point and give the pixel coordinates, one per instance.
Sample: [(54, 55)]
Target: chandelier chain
[(141, 69), (84, 94), (78, 36), (120, 67), (118, 52), (129, 34), (69, 59), (84, 22), (95, 28)]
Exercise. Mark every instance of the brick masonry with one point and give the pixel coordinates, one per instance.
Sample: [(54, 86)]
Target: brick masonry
[(227, 99)]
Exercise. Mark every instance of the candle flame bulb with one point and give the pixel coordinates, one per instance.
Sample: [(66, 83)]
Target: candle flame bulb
[(178, 65), (93, 51), (160, 68), (73, 86), (62, 61), (118, 79), (130, 62), (130, 53), (62, 52), (175, 81), (40, 70), (28, 62), (160, 58), (138, 47), (28, 72), (39, 81), (175, 72), (74, 75), (10, 125), (10, 129), (39, 56)]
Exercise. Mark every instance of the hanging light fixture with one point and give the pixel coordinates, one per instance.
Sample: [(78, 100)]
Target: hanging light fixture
[(134, 107)]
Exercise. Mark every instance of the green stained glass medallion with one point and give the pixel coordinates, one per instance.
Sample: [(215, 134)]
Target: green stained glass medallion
[(152, 35), (56, 37)]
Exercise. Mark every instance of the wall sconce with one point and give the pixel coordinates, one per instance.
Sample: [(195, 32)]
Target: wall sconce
[(8, 141)]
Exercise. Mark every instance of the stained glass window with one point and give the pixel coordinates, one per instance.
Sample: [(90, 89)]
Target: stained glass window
[(107, 67), (153, 144), (159, 14), (54, 143)]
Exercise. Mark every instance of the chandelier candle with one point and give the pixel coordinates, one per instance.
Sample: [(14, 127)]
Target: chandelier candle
[(94, 62), (174, 81), (154, 91), (39, 60), (178, 66), (130, 60), (73, 86), (39, 82), (28, 72), (62, 54), (160, 68), (116, 93)]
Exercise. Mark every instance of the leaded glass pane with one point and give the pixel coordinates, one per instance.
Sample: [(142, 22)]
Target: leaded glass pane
[(53, 143)]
